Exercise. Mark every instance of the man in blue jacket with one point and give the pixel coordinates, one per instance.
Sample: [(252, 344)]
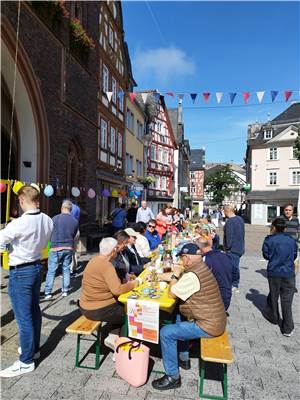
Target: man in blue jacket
[(152, 235), (234, 241), (280, 249)]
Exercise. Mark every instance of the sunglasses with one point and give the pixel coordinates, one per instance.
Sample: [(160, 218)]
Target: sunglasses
[(151, 226)]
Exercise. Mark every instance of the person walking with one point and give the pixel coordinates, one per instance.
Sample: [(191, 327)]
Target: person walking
[(202, 314), (234, 242), (75, 212), (65, 228), (144, 213), (118, 217), (131, 215), (292, 222), (26, 236), (280, 249)]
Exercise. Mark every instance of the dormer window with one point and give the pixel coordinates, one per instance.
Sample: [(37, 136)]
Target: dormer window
[(268, 134)]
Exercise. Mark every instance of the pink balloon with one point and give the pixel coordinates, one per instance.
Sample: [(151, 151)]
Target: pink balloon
[(2, 187), (91, 193)]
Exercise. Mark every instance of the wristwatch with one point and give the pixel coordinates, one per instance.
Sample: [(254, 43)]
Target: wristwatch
[(174, 277)]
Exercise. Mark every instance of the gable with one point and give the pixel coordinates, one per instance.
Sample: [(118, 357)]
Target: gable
[(288, 134)]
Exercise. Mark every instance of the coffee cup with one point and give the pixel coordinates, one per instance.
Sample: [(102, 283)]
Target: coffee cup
[(162, 285)]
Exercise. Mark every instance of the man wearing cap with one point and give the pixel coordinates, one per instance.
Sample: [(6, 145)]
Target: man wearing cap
[(27, 236), (202, 314)]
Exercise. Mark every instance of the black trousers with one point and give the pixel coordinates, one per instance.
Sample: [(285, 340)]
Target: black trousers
[(114, 314), (285, 289)]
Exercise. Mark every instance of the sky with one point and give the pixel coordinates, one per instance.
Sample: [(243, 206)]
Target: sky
[(196, 47)]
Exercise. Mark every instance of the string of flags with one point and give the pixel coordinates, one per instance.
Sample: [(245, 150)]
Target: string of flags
[(207, 96), (49, 190)]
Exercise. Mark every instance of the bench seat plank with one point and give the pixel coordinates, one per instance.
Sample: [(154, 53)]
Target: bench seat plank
[(217, 349), (83, 326)]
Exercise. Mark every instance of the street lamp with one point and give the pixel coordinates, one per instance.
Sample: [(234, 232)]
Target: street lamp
[(146, 139)]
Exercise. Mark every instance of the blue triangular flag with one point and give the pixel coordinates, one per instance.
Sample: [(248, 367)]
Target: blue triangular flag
[(193, 96), (274, 94), (232, 97), (120, 94)]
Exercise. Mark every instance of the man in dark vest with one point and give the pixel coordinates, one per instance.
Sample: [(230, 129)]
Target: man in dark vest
[(291, 222), (202, 314)]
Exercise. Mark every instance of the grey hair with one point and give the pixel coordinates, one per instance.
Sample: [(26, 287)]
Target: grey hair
[(107, 245), (202, 242), (67, 204)]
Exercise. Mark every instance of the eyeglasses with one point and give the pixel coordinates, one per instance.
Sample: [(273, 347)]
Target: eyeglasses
[(151, 226)]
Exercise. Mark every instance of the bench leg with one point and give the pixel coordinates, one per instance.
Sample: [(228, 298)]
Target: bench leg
[(77, 363), (97, 364), (201, 383)]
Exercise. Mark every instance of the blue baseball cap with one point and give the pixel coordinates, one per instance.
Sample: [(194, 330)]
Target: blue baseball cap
[(189, 248)]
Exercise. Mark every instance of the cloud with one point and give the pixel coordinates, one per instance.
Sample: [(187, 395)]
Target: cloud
[(162, 64)]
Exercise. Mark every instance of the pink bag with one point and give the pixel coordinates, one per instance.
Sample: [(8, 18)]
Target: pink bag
[(132, 360)]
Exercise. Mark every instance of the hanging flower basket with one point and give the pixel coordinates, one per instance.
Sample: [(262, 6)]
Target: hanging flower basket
[(80, 41), (147, 181)]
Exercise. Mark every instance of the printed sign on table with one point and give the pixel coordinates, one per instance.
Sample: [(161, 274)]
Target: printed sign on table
[(143, 320)]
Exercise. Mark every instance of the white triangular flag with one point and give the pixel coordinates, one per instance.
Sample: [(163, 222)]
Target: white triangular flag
[(260, 95), (144, 97), (109, 95), (219, 96)]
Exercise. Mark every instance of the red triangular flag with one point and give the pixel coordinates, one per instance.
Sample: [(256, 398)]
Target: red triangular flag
[(246, 96), (132, 96), (287, 94), (170, 94), (206, 96)]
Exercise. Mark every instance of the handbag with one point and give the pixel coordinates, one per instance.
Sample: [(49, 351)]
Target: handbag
[(132, 361)]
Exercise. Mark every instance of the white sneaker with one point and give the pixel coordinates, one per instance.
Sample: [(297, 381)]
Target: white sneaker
[(18, 368), (64, 294), (110, 341), (48, 297), (235, 289), (36, 355), (289, 334)]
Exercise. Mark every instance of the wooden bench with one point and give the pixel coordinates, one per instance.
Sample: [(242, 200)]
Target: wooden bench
[(215, 350), (86, 327)]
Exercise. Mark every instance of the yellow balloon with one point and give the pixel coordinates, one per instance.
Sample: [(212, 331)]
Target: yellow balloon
[(17, 186)]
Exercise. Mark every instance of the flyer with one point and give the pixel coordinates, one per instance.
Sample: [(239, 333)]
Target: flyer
[(143, 320)]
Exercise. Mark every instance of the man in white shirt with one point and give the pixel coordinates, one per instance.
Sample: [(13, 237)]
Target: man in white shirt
[(144, 213), (27, 236)]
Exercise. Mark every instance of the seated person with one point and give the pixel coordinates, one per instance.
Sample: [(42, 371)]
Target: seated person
[(202, 309), (141, 244), (221, 266), (215, 236), (152, 235), (121, 262), (101, 287), (136, 263)]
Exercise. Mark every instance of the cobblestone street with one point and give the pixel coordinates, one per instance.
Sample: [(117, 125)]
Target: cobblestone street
[(266, 364)]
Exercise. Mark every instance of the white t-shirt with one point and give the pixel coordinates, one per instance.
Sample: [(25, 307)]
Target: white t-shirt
[(187, 285)]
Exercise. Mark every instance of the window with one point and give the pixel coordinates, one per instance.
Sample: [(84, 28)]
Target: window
[(120, 145), (268, 134), (129, 120), (129, 164), (104, 78), (192, 175), (273, 178), (140, 130), (165, 157), (114, 90), (111, 36), (112, 140), (103, 142), (158, 127), (159, 154), (273, 153), (163, 183), (295, 176), (294, 152), (157, 182), (121, 99), (153, 157), (139, 171)]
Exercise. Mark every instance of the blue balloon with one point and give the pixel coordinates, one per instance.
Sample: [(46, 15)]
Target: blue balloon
[(48, 191), (131, 194), (137, 193)]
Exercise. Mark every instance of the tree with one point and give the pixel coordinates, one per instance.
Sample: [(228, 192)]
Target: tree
[(297, 144), (221, 184)]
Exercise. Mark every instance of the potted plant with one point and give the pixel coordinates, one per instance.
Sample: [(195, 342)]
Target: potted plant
[(80, 41), (147, 181)]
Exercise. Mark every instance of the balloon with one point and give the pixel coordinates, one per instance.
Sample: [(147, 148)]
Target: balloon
[(105, 193), (137, 193), (48, 191), (2, 187), (115, 193), (131, 193), (17, 186), (75, 191), (91, 193), (123, 193), (34, 185)]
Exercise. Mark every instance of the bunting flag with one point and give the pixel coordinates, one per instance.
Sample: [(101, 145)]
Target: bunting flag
[(193, 96), (219, 96), (120, 94), (109, 95), (232, 97), (260, 96), (206, 96), (274, 94), (246, 96), (180, 96), (287, 94), (132, 96), (170, 94), (144, 97)]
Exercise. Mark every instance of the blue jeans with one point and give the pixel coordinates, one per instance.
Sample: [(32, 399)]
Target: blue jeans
[(24, 292), (183, 331), (235, 259), (63, 257)]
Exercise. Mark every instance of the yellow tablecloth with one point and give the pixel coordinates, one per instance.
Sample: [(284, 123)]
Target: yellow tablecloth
[(166, 303)]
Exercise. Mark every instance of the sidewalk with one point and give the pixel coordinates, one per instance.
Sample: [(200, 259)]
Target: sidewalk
[(266, 363)]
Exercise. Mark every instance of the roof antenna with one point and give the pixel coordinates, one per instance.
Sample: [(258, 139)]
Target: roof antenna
[(269, 117)]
